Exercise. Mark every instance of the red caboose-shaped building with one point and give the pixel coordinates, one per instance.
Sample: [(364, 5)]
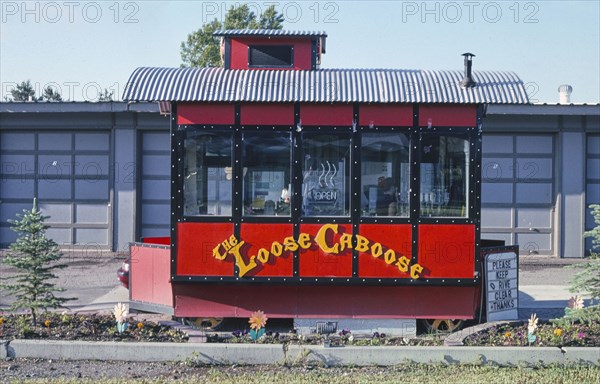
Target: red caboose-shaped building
[(318, 193)]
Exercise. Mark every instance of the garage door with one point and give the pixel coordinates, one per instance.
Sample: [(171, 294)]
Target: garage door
[(592, 183), (518, 191), (155, 184), (69, 173)]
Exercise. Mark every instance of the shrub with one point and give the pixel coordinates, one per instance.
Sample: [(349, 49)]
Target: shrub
[(35, 257), (588, 280), (595, 232)]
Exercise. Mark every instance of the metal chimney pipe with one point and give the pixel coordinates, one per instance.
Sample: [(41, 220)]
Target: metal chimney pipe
[(467, 81), (564, 94)]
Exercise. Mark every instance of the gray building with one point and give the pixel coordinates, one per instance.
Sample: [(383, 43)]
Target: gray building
[(101, 172)]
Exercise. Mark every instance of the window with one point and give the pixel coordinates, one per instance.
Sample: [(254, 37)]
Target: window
[(266, 169), (444, 176), (326, 175), (270, 56), (385, 174), (207, 173)]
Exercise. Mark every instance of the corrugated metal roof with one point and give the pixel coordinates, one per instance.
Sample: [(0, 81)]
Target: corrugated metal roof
[(267, 32), (324, 85)]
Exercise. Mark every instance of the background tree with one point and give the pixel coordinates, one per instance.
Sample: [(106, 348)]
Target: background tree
[(105, 95), (241, 18), (35, 257), (23, 92), (271, 19), (51, 95), (201, 48)]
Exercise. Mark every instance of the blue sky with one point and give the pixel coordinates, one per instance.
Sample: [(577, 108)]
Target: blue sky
[(80, 47)]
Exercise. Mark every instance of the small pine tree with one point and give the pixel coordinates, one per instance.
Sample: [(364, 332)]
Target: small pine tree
[(595, 232), (35, 257), (588, 280)]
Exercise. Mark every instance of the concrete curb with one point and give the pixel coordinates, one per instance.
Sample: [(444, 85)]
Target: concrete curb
[(269, 354)]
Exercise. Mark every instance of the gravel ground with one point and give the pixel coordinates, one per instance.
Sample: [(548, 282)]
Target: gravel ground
[(19, 369), (27, 369), (106, 372)]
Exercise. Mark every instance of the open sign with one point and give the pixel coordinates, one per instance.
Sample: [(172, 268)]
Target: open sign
[(323, 195)]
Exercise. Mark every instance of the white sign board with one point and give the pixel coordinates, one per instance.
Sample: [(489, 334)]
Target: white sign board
[(502, 286)]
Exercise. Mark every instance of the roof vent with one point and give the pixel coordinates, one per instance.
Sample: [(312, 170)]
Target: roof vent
[(467, 81), (564, 93)]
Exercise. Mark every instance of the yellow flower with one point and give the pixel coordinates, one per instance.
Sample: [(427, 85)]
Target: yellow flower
[(140, 325), (47, 323), (558, 332), (1, 320), (257, 320), (507, 334)]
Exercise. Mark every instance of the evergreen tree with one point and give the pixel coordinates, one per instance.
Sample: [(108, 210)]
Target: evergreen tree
[(51, 95), (271, 19), (105, 95), (23, 92), (35, 257), (595, 232), (588, 280), (201, 49), (240, 18)]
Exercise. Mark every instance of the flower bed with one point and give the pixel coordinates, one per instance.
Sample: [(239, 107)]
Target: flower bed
[(87, 327), (343, 338), (547, 335), (579, 327)]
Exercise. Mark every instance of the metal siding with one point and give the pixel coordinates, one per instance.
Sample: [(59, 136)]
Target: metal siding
[(447, 115), (385, 115), (326, 114), (263, 114), (324, 85), (195, 113), (254, 236), (358, 302)]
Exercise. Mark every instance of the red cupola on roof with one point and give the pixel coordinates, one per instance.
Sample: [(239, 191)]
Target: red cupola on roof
[(271, 49)]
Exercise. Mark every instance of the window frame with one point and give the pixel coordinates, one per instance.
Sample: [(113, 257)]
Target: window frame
[(182, 175), (254, 47), (348, 184), (242, 187), (459, 133), (406, 132)]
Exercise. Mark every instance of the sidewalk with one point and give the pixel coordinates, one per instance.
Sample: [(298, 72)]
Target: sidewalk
[(544, 286)]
